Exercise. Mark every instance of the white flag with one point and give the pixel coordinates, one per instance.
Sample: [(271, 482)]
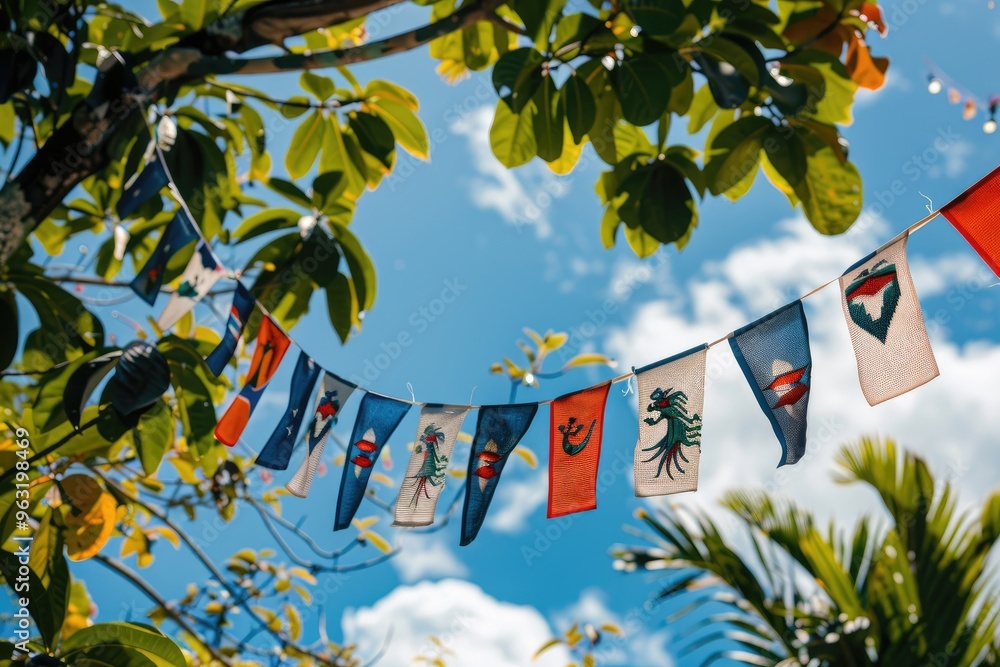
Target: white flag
[(425, 475), (201, 273), (333, 394), (671, 404), (886, 324)]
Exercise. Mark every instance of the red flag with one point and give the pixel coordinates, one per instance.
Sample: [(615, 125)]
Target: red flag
[(577, 422), (976, 214), (271, 347)]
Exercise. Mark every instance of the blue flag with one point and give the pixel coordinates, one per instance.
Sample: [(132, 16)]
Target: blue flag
[(774, 355), (239, 313), (179, 233), (150, 180), (499, 429), (277, 452), (378, 417)]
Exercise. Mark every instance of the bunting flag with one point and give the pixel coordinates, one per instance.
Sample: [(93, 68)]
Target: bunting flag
[(202, 272), (887, 325), (150, 180), (378, 417), (668, 451), (976, 215), (498, 430), (179, 232), (333, 394), (239, 313), (271, 346), (774, 355), (425, 475), (576, 426), (277, 452)]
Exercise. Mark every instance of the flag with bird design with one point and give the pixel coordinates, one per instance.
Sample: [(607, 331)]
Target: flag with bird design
[(773, 353), (671, 405), (423, 481), (277, 451), (886, 325), (333, 394), (576, 426)]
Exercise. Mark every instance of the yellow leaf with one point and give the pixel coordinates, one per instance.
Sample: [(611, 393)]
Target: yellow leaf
[(382, 478), (294, 621), (458, 473), (527, 455), (377, 540), (464, 437), (166, 533), (90, 517), (613, 629), (587, 359), (364, 524), (554, 341), (303, 574)]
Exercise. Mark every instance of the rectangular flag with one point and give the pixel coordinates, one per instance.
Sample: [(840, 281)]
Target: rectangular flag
[(272, 344), (886, 325), (425, 474), (774, 355), (150, 180), (576, 425), (178, 233), (498, 430), (202, 272), (668, 452), (976, 215), (333, 394), (378, 417), (278, 449), (239, 313)]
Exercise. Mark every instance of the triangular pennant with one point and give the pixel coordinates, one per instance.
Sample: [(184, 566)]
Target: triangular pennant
[(271, 346), (498, 430), (975, 214), (426, 472), (774, 355), (333, 394), (886, 325), (671, 405), (239, 313), (277, 450), (202, 272), (178, 233), (575, 432), (150, 180), (377, 418)]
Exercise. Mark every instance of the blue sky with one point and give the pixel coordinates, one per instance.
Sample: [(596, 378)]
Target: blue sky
[(521, 248)]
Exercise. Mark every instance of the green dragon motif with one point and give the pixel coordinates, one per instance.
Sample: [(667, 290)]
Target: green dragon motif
[(433, 468), (683, 430), (570, 430)]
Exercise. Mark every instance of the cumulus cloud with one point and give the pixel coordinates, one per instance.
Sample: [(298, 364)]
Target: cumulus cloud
[(427, 556), (516, 501), (473, 627)]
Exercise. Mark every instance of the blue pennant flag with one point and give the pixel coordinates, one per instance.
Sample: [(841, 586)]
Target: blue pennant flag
[(179, 232), (378, 417), (277, 452), (499, 429), (239, 313), (774, 355), (150, 180)]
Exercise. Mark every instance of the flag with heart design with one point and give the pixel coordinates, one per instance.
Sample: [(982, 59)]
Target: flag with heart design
[(886, 325), (575, 431)]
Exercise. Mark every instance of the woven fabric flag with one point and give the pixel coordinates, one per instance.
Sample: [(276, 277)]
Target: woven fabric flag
[(378, 417), (886, 325), (150, 180), (179, 233), (672, 395), (277, 450), (271, 346), (202, 272), (976, 215), (239, 313), (425, 474), (576, 425), (333, 394), (774, 355), (498, 430)]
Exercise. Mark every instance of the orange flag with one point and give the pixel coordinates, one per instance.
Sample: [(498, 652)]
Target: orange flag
[(976, 214), (271, 347), (577, 423)]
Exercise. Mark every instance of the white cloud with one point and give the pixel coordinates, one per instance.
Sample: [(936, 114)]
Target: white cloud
[(956, 159), (426, 556), (477, 629), (952, 421), (516, 501), (522, 196)]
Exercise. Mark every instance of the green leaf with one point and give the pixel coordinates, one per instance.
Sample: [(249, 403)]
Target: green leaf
[(517, 75), (374, 135), (737, 52), (360, 264), (512, 136), (8, 337), (47, 409), (342, 305), (84, 380), (657, 18), (734, 153), (703, 108), (407, 128), (320, 86), (327, 190), (153, 435), (547, 121), (830, 191), (289, 191), (339, 154), (580, 107), (378, 91), (831, 94), (110, 642), (295, 106), (46, 604), (305, 145), (643, 84), (538, 17), (268, 220), (666, 210)]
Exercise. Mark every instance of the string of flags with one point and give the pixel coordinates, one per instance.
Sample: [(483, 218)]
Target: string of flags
[(880, 306)]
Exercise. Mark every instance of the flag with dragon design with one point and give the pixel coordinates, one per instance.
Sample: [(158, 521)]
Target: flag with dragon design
[(576, 426)]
